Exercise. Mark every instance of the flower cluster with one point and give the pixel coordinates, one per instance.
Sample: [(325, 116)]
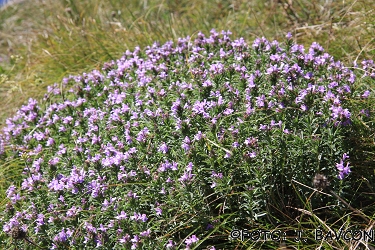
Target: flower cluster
[(343, 170), (151, 143)]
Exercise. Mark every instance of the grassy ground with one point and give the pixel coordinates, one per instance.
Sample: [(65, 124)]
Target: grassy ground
[(42, 41)]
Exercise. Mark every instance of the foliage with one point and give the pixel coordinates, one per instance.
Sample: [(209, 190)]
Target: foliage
[(43, 41)]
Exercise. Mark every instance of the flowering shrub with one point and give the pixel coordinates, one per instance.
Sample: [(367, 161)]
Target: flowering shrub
[(174, 145)]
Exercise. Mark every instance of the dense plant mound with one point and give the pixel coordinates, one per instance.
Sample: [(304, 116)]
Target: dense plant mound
[(174, 145)]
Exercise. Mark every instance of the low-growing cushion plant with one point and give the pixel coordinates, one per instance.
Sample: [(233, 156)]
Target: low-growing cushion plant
[(174, 145)]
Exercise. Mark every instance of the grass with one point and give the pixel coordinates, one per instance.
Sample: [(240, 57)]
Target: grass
[(44, 41)]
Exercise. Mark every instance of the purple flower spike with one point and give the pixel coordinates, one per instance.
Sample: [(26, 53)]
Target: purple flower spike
[(343, 170)]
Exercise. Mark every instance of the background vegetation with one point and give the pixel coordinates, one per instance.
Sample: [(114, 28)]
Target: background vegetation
[(42, 41)]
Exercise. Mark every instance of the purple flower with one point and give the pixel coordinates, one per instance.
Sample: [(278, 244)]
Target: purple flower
[(249, 109), (39, 136), (263, 127), (260, 100), (54, 161), (50, 142), (273, 69), (227, 155), (186, 144), (189, 167), (170, 244), (365, 94), (207, 83), (217, 68), (303, 107), (346, 113), (124, 239), (340, 166), (187, 176), (11, 191), (158, 211), (345, 156), (107, 162), (145, 233), (228, 111), (251, 141), (102, 228), (216, 175), (175, 106), (62, 129), (191, 240), (162, 190), (67, 120), (62, 150), (135, 239), (141, 137), (163, 148), (12, 195), (133, 195), (252, 154), (61, 236), (343, 170), (73, 211), (366, 112), (199, 136), (139, 217)]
